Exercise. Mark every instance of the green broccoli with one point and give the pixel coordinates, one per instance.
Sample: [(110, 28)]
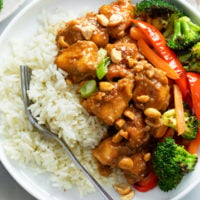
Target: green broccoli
[(191, 123), (1, 4), (157, 12), (185, 34), (171, 162), (191, 58)]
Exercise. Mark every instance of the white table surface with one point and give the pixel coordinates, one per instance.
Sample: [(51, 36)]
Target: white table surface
[(11, 190)]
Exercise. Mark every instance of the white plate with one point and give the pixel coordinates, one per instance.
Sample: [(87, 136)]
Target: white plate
[(24, 25), (9, 7)]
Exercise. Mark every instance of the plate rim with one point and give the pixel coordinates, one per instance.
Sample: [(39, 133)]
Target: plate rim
[(8, 14)]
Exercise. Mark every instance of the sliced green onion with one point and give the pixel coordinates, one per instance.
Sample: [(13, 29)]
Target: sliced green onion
[(102, 68), (88, 88)]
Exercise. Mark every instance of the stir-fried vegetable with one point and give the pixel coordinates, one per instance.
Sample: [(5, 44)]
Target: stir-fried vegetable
[(191, 58), (148, 183), (136, 34), (171, 163), (191, 123), (185, 34), (157, 12), (88, 88), (156, 60), (102, 68), (178, 102), (158, 41)]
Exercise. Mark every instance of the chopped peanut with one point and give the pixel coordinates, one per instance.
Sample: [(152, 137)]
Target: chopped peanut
[(129, 114), (68, 81), (122, 188), (150, 73), (143, 98), (147, 157), (105, 86), (62, 42), (116, 138), (102, 19), (87, 32), (124, 134), (155, 123), (152, 113), (126, 163), (116, 56), (120, 122), (132, 62), (115, 19)]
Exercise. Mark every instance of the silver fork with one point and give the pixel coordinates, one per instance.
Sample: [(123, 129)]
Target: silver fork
[(25, 75)]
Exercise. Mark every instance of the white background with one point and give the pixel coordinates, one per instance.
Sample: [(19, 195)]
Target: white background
[(10, 190)]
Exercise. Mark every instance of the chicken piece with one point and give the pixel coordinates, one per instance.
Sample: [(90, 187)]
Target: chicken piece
[(126, 51), (151, 87), (109, 106), (79, 60), (125, 39), (109, 153), (118, 14), (136, 129), (84, 28), (139, 169), (116, 71)]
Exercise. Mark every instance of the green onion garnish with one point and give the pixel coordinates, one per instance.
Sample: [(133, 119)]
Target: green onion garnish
[(102, 68), (88, 88)]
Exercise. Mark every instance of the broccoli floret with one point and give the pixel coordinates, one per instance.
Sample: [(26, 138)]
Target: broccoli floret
[(171, 162), (1, 4), (157, 12), (185, 34), (191, 123), (191, 58)]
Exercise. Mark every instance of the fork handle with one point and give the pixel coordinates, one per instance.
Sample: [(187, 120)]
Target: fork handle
[(95, 183)]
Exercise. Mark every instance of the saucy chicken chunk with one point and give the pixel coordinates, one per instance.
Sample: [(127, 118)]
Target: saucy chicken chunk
[(151, 87), (118, 16), (109, 106), (135, 128), (79, 60), (122, 53), (139, 169), (84, 28), (109, 153), (116, 71)]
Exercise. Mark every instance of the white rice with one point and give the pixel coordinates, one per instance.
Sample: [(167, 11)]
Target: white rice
[(56, 104)]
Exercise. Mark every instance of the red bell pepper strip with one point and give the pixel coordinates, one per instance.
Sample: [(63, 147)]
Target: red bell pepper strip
[(147, 183), (158, 41), (194, 83)]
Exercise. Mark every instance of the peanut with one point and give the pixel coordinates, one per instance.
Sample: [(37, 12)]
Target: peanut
[(102, 19), (152, 113), (143, 98), (122, 188), (126, 163), (116, 56)]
